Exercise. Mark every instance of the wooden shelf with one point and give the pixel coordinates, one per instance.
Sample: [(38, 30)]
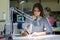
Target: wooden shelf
[(2, 20)]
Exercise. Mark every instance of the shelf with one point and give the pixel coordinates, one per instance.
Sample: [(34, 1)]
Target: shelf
[(2, 20)]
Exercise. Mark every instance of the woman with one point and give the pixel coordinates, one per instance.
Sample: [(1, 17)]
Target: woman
[(41, 22), (49, 16)]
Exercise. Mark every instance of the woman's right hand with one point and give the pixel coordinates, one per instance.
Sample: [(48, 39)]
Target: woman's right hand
[(25, 33)]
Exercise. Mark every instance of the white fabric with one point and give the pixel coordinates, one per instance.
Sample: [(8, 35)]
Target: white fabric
[(47, 37)]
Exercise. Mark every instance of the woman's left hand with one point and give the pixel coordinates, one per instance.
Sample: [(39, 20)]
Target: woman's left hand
[(38, 34)]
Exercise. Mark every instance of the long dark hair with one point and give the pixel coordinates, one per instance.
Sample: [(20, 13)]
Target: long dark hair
[(39, 6)]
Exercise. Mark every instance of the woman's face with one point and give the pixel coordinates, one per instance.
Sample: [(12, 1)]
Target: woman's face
[(36, 11)]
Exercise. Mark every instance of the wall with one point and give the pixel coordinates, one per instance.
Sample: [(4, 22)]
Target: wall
[(4, 7), (53, 5), (13, 4), (46, 3)]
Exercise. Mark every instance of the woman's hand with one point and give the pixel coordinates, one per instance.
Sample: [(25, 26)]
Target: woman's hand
[(38, 34), (25, 33)]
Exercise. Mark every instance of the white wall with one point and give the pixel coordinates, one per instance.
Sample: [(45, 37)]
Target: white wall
[(4, 7)]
